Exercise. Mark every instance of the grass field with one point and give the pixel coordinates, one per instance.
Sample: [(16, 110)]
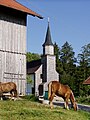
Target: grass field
[(27, 110)]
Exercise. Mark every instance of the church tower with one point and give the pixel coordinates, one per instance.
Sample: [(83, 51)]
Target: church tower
[(48, 48), (48, 60)]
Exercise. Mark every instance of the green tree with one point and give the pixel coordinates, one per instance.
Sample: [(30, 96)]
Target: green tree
[(59, 67), (32, 56), (29, 80), (68, 62), (67, 54), (84, 69)]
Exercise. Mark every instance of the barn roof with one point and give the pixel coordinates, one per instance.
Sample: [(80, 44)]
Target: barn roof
[(87, 81), (17, 6)]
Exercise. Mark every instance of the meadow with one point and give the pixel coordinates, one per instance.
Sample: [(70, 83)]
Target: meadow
[(28, 110)]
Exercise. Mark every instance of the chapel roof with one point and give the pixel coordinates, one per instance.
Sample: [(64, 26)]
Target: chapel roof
[(17, 6), (33, 66), (48, 40)]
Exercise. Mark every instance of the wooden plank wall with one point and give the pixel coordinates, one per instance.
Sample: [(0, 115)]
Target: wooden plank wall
[(13, 50)]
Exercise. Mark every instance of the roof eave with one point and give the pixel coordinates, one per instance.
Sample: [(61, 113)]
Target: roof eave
[(18, 6), (40, 17)]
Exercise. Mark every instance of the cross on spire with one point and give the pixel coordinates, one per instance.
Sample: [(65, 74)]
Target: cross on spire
[(48, 19)]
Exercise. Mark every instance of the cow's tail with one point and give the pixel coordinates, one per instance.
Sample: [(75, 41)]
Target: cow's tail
[(49, 90)]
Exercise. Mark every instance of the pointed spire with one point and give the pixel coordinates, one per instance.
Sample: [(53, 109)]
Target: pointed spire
[(48, 19), (48, 40)]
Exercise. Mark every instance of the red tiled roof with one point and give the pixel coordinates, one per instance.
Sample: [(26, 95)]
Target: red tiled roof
[(17, 6), (87, 81)]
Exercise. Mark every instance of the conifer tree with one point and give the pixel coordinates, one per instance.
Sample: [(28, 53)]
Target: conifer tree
[(68, 62)]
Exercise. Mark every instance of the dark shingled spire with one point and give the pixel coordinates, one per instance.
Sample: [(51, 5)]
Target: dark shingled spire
[(48, 40)]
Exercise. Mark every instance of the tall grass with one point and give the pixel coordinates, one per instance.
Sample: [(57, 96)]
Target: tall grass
[(27, 110)]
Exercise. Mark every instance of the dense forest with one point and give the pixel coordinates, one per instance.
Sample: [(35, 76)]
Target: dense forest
[(72, 71)]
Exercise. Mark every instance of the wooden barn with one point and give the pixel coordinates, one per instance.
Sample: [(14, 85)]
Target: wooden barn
[(13, 23)]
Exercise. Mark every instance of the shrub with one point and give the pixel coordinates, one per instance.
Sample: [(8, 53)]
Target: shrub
[(84, 99), (31, 98)]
